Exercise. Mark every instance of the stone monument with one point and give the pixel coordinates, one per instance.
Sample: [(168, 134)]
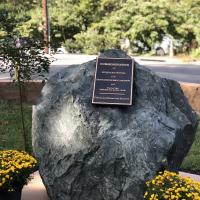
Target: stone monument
[(104, 152)]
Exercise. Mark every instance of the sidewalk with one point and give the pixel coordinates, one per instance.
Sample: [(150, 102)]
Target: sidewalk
[(193, 176), (35, 190)]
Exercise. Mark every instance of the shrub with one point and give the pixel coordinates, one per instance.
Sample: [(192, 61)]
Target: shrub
[(170, 185), (72, 46), (196, 53), (15, 169)]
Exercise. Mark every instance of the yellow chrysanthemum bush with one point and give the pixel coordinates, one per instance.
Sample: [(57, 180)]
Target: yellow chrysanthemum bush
[(170, 185), (15, 169)]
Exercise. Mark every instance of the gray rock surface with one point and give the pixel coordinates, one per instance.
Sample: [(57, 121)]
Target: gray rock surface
[(96, 152)]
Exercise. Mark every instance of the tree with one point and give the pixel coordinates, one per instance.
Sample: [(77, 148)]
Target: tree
[(143, 23), (22, 58), (91, 26)]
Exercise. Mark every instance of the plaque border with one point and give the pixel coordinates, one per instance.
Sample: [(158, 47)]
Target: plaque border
[(131, 99)]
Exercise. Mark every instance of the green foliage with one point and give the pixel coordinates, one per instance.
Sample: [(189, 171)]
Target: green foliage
[(81, 25), (196, 53), (72, 47), (22, 58), (143, 23), (21, 5), (64, 22), (22, 19), (31, 26), (7, 23), (91, 42)]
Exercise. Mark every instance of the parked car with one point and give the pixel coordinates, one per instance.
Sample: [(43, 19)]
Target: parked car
[(61, 50)]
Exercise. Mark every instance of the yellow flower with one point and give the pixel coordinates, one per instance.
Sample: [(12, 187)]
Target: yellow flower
[(189, 195), (166, 196), (146, 193), (170, 185), (15, 166)]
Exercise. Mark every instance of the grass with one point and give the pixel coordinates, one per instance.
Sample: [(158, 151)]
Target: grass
[(191, 162), (11, 136)]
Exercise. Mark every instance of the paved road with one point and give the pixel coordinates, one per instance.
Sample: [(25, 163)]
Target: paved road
[(179, 72), (167, 68)]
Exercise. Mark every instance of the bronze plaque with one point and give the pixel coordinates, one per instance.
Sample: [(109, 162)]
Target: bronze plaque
[(113, 83)]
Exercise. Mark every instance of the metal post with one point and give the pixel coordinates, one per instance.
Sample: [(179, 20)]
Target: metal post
[(171, 47)]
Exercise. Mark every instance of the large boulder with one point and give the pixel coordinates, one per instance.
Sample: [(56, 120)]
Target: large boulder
[(97, 152)]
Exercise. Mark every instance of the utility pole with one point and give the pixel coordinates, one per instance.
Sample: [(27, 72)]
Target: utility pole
[(45, 26)]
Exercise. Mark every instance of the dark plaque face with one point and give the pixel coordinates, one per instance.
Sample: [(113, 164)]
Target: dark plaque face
[(113, 81)]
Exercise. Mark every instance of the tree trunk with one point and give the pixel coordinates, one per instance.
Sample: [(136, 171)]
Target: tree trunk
[(63, 34), (22, 116)]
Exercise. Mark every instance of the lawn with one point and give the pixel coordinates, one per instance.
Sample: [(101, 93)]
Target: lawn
[(191, 162), (11, 134)]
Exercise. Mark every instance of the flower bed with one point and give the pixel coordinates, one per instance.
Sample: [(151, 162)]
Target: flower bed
[(15, 169), (170, 185)]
